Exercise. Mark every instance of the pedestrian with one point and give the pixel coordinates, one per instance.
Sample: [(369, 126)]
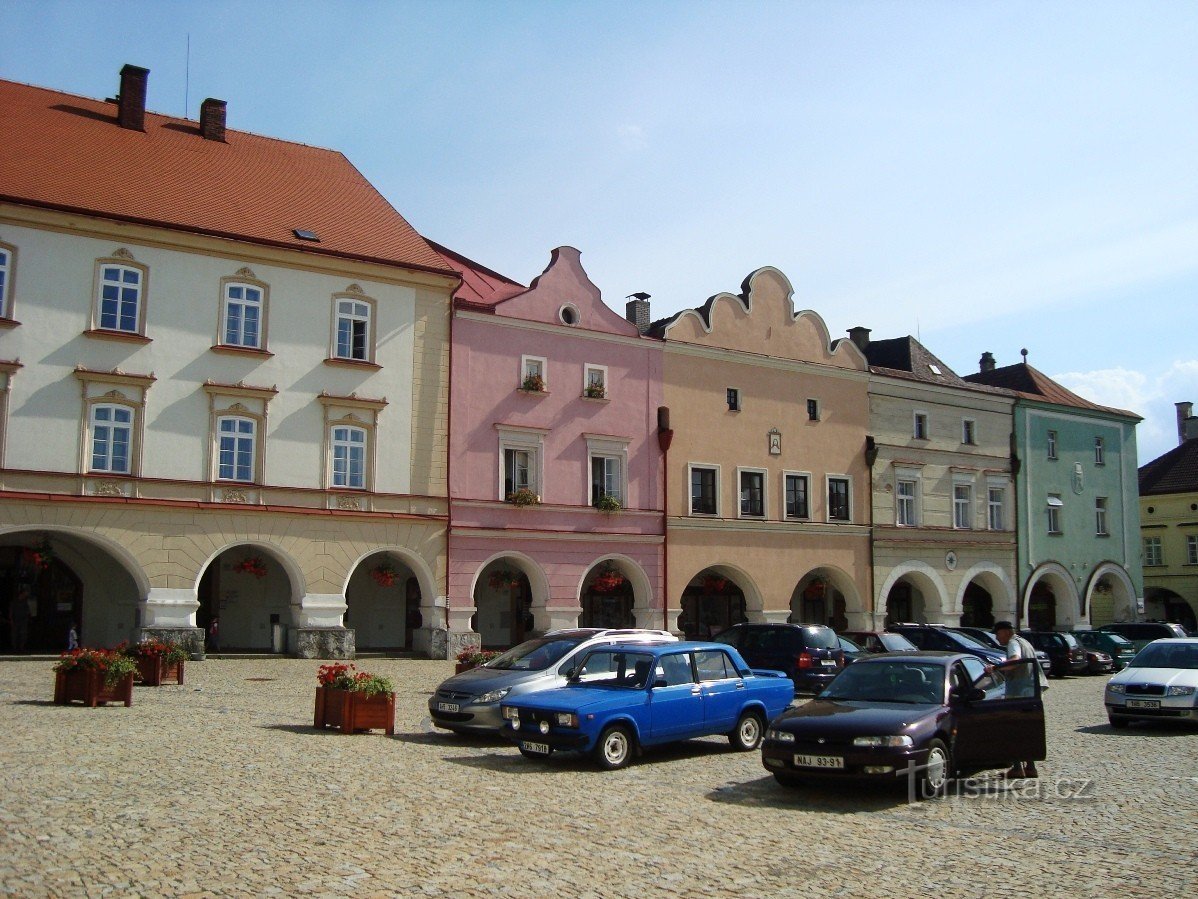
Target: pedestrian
[(1019, 648), (214, 635), (72, 638)]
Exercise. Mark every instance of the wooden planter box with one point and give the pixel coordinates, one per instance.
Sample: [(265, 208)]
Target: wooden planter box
[(154, 671), (352, 711), (87, 685), (462, 666)]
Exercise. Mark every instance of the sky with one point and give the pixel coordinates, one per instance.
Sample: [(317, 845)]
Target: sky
[(984, 176)]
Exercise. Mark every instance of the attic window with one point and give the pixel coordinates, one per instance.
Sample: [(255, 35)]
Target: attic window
[(935, 369), (306, 235), (568, 314)]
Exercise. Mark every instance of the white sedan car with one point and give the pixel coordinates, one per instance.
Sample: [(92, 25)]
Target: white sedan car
[(1160, 682)]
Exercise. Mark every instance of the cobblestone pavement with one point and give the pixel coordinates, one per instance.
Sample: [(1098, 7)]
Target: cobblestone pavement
[(222, 787)]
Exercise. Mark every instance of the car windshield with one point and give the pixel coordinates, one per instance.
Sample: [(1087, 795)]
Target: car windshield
[(896, 680), (1118, 641), (988, 640), (896, 643), (534, 655), (615, 667), (1070, 640), (1164, 655), (966, 640), (820, 638)]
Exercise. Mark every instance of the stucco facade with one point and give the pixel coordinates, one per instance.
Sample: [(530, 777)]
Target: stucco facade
[(767, 488), (583, 430)]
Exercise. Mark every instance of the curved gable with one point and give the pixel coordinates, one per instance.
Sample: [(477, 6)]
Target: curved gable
[(565, 283), (762, 320)]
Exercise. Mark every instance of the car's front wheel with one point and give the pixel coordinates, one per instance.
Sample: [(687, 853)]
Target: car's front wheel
[(936, 771), (1117, 722), (746, 736), (614, 749)]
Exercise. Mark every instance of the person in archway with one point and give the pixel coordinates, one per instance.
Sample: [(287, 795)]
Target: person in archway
[(1019, 648), (214, 634), (18, 618), (72, 638)]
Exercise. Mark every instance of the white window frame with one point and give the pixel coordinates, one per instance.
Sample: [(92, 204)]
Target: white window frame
[(806, 476), (921, 425), (906, 506), (765, 493), (1154, 551), (530, 440), (1101, 516), (347, 444), (967, 484), (238, 436), (122, 261), (245, 284), (1054, 507), (542, 368), (1099, 451), (353, 315), (8, 268), (828, 479), (969, 432), (690, 488), (1000, 506), (112, 426), (601, 370), (601, 446), (1050, 441)]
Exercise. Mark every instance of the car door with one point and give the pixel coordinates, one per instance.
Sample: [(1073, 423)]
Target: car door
[(723, 690), (1004, 726), (675, 699)]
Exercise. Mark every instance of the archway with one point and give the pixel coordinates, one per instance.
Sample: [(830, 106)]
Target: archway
[(1110, 596), (1165, 605), (382, 599), (607, 597), (1042, 608), (249, 591), (503, 598), (977, 606), (1050, 599), (913, 593), (51, 580), (712, 601)]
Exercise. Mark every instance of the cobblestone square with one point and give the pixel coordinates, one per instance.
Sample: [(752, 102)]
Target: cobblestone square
[(222, 787)]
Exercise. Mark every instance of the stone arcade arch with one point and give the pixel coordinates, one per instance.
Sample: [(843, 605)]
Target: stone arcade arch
[(1050, 600), (383, 598), (510, 593), (985, 596), (606, 602), (53, 577), (913, 589), (826, 595), (254, 590), (716, 598), (1110, 595)]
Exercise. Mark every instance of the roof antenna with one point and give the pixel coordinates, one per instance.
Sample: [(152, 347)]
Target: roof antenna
[(187, 78), (1023, 353)]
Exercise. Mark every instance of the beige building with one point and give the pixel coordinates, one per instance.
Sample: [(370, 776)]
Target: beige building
[(942, 491), (224, 365), (767, 486)]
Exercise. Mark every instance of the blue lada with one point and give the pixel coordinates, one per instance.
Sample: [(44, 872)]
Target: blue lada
[(623, 697)]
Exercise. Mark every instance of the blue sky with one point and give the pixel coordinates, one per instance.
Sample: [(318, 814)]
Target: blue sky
[(986, 175)]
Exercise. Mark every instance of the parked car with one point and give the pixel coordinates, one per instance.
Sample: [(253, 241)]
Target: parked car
[(809, 654), (940, 638), (852, 652), (469, 702), (926, 715), (1098, 662), (1160, 682), (1141, 633), (880, 641), (624, 697), (1066, 653), (1119, 648), (987, 638)]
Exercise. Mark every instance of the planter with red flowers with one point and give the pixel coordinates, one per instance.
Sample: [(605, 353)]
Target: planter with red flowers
[(253, 565), (353, 700), (385, 575), (94, 677), (471, 657), (609, 580), (713, 583), (158, 662)]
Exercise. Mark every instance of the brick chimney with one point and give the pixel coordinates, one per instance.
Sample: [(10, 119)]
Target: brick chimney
[(860, 337), (131, 101), (212, 119), (1187, 424), (637, 311), (986, 363)]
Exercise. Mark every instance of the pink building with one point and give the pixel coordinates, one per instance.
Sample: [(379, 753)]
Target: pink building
[(555, 476)]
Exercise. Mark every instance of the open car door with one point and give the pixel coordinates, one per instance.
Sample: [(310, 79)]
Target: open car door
[(1001, 718)]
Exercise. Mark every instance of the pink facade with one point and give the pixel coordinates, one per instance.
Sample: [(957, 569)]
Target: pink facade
[(554, 402)]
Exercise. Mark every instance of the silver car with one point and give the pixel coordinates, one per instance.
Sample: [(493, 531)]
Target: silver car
[(469, 702), (1160, 682)]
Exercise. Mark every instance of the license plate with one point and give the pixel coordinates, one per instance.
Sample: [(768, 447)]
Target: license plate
[(819, 761), (447, 706), (528, 746), (1143, 703), (828, 663)]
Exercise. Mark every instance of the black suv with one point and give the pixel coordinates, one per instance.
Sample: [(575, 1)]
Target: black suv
[(939, 637), (1066, 653), (810, 654)]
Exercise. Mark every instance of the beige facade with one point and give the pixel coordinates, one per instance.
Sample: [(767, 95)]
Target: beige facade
[(1169, 525), (937, 559), (739, 544)]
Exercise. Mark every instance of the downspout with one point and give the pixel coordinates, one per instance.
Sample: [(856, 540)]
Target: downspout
[(449, 465), (665, 436), (1016, 465), (871, 456)]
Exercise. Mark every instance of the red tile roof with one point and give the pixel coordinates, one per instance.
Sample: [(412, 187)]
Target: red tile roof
[(481, 287), (1033, 384), (67, 152)]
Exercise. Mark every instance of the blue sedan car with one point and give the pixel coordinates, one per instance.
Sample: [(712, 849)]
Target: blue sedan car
[(624, 697)]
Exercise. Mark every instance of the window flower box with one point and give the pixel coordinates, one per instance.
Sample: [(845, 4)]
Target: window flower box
[(523, 497)]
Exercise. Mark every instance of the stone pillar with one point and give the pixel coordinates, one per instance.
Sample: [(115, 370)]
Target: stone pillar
[(554, 618), (318, 629), (439, 642), (772, 616), (169, 608)]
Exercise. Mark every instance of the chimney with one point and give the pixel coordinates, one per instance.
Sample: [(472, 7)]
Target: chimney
[(637, 311), (1187, 424), (986, 363), (860, 337), (131, 102), (212, 119)]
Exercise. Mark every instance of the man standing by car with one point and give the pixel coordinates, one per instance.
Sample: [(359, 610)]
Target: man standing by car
[(1019, 648)]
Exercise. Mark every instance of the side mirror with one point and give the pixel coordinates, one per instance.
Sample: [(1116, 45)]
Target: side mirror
[(976, 694)]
